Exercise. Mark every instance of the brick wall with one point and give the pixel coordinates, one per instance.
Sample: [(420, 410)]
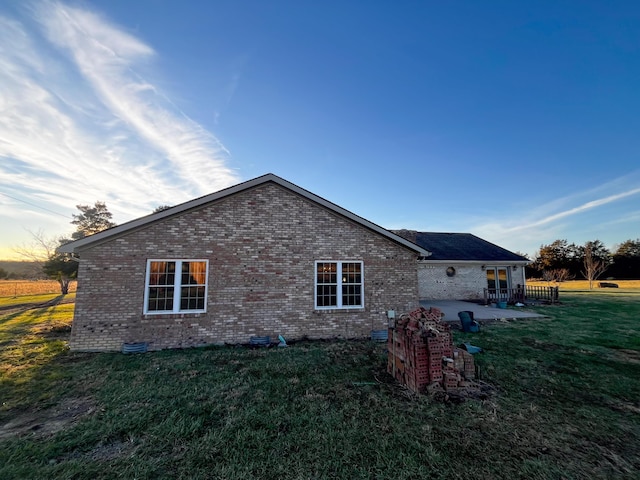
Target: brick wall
[(261, 245), (468, 283), (434, 284)]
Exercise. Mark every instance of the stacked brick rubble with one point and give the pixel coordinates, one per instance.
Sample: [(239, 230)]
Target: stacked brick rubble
[(421, 354)]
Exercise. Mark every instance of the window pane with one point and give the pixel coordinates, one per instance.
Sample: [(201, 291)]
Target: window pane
[(162, 273), (351, 273), (326, 295), (326, 284), (491, 278), (194, 273), (351, 284), (192, 298), (160, 298), (351, 295), (502, 277), (327, 272)]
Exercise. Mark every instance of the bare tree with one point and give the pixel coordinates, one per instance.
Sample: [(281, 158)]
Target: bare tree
[(40, 249), (593, 266), (62, 266), (41, 253), (557, 275)]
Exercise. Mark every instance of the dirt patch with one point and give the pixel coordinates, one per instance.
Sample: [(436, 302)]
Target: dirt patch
[(630, 356), (48, 421), (53, 331), (110, 451), (101, 453)]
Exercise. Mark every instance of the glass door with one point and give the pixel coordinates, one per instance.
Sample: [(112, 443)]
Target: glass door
[(503, 283), (491, 279), (498, 282)]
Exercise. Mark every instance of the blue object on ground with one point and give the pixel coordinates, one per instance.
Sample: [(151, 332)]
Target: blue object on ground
[(467, 322), (260, 341), (471, 348), (283, 342), (139, 347), (380, 335)]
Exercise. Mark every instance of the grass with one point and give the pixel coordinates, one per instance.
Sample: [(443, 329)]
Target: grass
[(567, 406), (25, 301)]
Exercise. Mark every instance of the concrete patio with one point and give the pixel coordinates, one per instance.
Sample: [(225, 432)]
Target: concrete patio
[(450, 308)]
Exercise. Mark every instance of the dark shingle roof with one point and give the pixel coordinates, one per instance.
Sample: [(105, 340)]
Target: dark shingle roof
[(460, 246)]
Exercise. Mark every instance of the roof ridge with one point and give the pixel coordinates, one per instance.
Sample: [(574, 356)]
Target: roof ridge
[(132, 225)]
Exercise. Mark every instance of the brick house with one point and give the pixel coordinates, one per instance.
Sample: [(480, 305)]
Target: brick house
[(465, 267), (262, 258)]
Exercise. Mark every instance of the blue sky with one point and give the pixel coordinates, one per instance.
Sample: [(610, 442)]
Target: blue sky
[(515, 121)]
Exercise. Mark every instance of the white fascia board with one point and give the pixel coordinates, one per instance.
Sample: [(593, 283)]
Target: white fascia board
[(352, 216), (476, 262)]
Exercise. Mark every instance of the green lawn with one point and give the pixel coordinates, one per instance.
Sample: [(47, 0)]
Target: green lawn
[(567, 405), (30, 300)]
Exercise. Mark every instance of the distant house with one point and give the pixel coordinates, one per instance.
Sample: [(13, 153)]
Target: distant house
[(465, 267), (262, 258)]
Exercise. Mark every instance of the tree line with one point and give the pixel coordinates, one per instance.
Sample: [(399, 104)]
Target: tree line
[(561, 261), (558, 261), (9, 275)]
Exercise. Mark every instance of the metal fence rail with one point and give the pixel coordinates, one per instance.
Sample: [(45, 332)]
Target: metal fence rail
[(521, 294)]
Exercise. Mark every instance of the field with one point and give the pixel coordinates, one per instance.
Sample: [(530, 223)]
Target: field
[(584, 284), (566, 404), (16, 288)]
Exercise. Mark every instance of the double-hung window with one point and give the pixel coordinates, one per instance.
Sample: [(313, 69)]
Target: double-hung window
[(176, 286), (339, 285)]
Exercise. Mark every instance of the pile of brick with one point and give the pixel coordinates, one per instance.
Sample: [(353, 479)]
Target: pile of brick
[(421, 354)]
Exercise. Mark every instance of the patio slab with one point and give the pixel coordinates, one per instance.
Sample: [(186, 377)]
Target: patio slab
[(450, 308)]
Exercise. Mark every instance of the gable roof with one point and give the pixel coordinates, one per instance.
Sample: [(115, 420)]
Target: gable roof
[(460, 247), (119, 230)]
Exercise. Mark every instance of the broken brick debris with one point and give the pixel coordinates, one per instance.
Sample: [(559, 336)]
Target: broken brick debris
[(421, 354)]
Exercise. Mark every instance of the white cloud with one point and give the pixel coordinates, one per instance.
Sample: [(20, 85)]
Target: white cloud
[(528, 229), (574, 211), (79, 123)]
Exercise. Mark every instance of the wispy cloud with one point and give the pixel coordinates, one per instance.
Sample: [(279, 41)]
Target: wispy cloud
[(82, 118), (575, 210), (554, 219)]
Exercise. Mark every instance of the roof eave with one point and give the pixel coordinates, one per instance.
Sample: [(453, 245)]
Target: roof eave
[(480, 262)]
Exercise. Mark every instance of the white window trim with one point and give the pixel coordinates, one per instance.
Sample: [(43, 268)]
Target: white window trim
[(177, 286), (339, 305)]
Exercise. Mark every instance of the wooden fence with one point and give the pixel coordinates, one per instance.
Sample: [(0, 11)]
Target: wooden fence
[(520, 294)]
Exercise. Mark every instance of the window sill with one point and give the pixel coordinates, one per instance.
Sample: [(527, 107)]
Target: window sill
[(338, 310), (173, 314)]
